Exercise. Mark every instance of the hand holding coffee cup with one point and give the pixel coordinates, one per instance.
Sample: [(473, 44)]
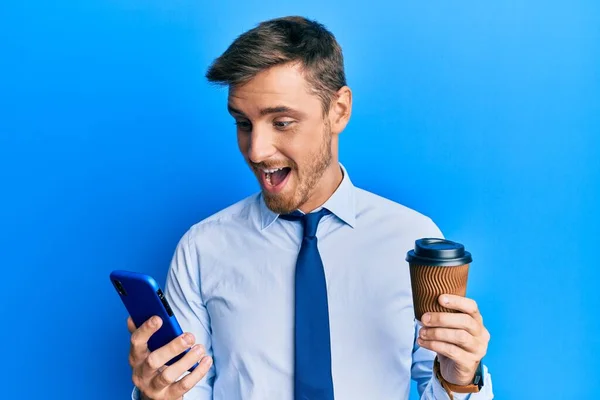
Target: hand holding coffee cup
[(452, 325)]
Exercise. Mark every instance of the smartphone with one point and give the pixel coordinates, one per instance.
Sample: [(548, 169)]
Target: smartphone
[(143, 299)]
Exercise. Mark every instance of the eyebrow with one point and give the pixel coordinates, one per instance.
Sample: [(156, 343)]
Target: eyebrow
[(265, 111)]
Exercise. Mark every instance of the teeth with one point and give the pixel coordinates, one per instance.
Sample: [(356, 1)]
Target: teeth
[(270, 171)]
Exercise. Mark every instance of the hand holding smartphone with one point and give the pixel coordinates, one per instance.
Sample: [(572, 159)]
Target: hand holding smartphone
[(160, 352)]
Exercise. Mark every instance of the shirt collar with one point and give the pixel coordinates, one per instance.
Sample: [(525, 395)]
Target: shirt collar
[(341, 203)]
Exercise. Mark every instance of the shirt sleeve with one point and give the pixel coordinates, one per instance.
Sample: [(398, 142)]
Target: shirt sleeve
[(183, 293), (428, 385)]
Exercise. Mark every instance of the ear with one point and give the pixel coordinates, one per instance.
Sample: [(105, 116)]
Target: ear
[(340, 110)]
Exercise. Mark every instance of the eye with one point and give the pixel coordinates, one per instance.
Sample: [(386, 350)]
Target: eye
[(244, 125), (282, 125)]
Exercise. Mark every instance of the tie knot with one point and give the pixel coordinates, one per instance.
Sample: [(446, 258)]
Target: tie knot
[(310, 221)]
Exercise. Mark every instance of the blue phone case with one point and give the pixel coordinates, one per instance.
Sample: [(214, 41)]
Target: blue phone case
[(143, 299)]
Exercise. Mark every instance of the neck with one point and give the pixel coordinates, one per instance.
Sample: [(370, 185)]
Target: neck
[(330, 181)]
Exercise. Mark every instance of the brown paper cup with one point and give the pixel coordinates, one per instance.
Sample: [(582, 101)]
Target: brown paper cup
[(430, 282)]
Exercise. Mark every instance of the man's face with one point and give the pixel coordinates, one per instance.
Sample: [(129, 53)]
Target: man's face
[(283, 135)]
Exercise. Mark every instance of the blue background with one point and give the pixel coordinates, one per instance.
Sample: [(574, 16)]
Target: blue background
[(483, 115)]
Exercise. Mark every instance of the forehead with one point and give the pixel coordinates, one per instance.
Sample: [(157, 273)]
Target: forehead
[(280, 85)]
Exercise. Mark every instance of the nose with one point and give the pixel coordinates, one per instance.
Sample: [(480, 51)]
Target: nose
[(260, 147)]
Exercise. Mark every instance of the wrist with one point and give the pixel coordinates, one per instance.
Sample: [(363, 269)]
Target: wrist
[(472, 386), (144, 397), (458, 381)]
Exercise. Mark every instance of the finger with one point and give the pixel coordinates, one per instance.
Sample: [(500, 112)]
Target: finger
[(452, 320), (170, 374), (458, 337), (186, 383), (453, 352), (139, 340), (462, 304), (160, 356), (130, 325)]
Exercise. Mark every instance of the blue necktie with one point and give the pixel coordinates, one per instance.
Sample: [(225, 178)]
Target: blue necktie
[(312, 375)]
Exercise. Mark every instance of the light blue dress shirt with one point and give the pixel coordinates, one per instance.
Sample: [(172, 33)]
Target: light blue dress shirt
[(231, 284)]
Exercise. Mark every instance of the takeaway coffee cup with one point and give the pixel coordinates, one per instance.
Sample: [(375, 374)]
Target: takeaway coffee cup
[(437, 266)]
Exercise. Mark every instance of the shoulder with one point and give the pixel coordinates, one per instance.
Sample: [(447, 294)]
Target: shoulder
[(234, 218), (380, 210)]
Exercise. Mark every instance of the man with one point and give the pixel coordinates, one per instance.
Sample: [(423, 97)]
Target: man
[(301, 291)]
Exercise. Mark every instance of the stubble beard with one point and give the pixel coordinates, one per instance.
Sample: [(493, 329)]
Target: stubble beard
[(308, 179)]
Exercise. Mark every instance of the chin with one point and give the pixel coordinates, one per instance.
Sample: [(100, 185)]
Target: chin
[(284, 202), (281, 203)]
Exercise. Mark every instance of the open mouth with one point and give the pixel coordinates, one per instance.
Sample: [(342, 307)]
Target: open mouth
[(274, 179)]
